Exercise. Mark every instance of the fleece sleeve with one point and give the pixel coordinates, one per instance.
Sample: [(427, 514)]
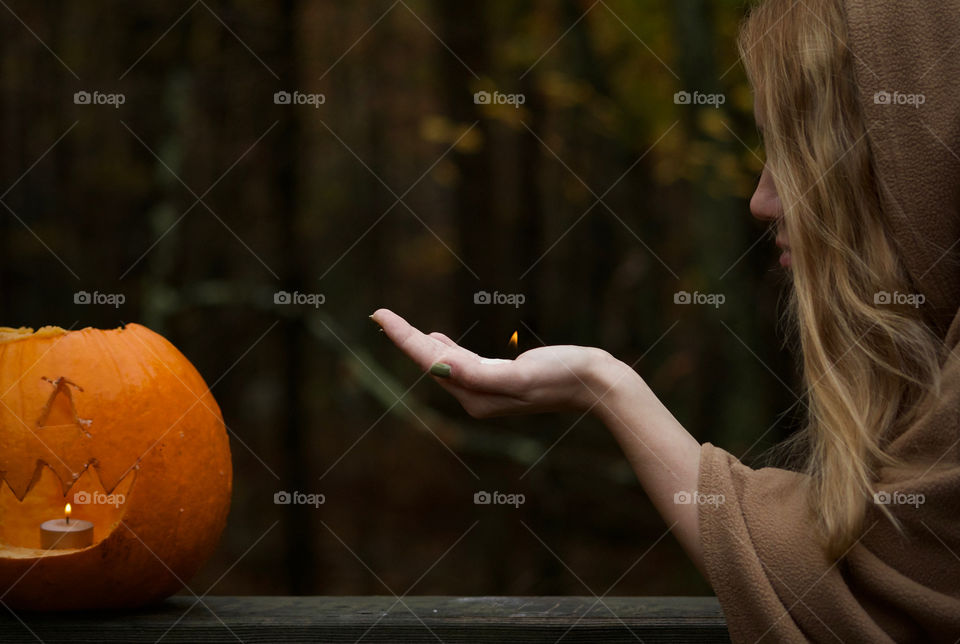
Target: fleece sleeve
[(764, 562)]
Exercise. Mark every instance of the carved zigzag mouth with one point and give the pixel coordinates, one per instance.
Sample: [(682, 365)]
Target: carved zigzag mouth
[(92, 467), (46, 496)]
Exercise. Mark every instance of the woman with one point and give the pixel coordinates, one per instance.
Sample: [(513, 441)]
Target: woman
[(859, 105)]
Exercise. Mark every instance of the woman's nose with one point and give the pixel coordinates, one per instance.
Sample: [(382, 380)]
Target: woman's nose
[(765, 203)]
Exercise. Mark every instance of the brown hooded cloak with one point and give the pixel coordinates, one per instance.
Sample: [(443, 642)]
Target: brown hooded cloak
[(760, 550)]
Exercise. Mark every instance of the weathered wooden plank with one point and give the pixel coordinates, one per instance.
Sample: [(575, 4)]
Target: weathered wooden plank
[(385, 619)]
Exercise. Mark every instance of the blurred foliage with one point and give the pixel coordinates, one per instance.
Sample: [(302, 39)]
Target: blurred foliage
[(598, 198)]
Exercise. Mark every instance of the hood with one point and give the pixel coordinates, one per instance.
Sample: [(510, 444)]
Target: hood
[(907, 58)]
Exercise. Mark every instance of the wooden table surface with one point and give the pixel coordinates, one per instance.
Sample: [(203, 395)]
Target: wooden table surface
[(384, 619)]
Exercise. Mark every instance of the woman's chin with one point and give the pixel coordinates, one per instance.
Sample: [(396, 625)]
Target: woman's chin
[(785, 259)]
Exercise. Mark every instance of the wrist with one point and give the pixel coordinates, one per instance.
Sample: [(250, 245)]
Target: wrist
[(606, 380)]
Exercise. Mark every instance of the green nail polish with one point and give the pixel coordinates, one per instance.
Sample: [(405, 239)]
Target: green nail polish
[(440, 369)]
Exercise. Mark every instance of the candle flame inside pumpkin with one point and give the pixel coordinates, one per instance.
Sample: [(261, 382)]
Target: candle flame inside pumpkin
[(513, 340), (66, 511)]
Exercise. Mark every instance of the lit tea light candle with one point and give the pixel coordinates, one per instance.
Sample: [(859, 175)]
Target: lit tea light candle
[(66, 533), (512, 343)]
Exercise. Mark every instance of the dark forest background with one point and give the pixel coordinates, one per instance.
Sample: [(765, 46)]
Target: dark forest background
[(598, 199)]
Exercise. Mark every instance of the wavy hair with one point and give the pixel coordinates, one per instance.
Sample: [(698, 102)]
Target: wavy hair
[(866, 364)]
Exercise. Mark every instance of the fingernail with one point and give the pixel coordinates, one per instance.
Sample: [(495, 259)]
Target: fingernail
[(372, 318), (440, 369)]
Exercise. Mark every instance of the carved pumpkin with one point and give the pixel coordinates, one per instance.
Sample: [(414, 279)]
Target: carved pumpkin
[(118, 415)]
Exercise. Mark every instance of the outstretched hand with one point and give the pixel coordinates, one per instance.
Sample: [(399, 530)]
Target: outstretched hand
[(552, 378), (569, 378)]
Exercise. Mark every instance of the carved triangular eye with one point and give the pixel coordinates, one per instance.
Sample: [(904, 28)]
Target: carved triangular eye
[(59, 409)]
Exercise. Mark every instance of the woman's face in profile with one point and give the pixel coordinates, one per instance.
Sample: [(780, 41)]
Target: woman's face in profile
[(765, 205)]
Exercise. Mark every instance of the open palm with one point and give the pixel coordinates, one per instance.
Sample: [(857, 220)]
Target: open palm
[(552, 378)]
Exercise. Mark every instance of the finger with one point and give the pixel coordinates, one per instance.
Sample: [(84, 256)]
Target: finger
[(465, 369), (436, 335), (484, 376), (420, 348)]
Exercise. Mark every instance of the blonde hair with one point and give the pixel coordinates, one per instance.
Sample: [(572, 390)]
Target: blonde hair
[(866, 364)]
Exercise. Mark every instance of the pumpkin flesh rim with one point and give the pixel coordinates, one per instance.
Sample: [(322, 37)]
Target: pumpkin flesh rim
[(11, 334)]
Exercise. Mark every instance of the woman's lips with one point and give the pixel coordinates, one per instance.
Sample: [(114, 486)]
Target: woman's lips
[(785, 257)]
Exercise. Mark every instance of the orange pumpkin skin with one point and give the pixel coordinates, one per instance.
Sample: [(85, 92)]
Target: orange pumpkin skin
[(131, 414)]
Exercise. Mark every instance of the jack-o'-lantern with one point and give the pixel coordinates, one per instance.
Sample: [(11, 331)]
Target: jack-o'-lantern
[(119, 424)]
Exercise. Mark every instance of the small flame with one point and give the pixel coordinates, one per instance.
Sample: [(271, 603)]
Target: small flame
[(513, 340), (66, 511)]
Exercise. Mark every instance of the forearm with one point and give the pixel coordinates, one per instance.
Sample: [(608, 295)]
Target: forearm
[(664, 456)]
